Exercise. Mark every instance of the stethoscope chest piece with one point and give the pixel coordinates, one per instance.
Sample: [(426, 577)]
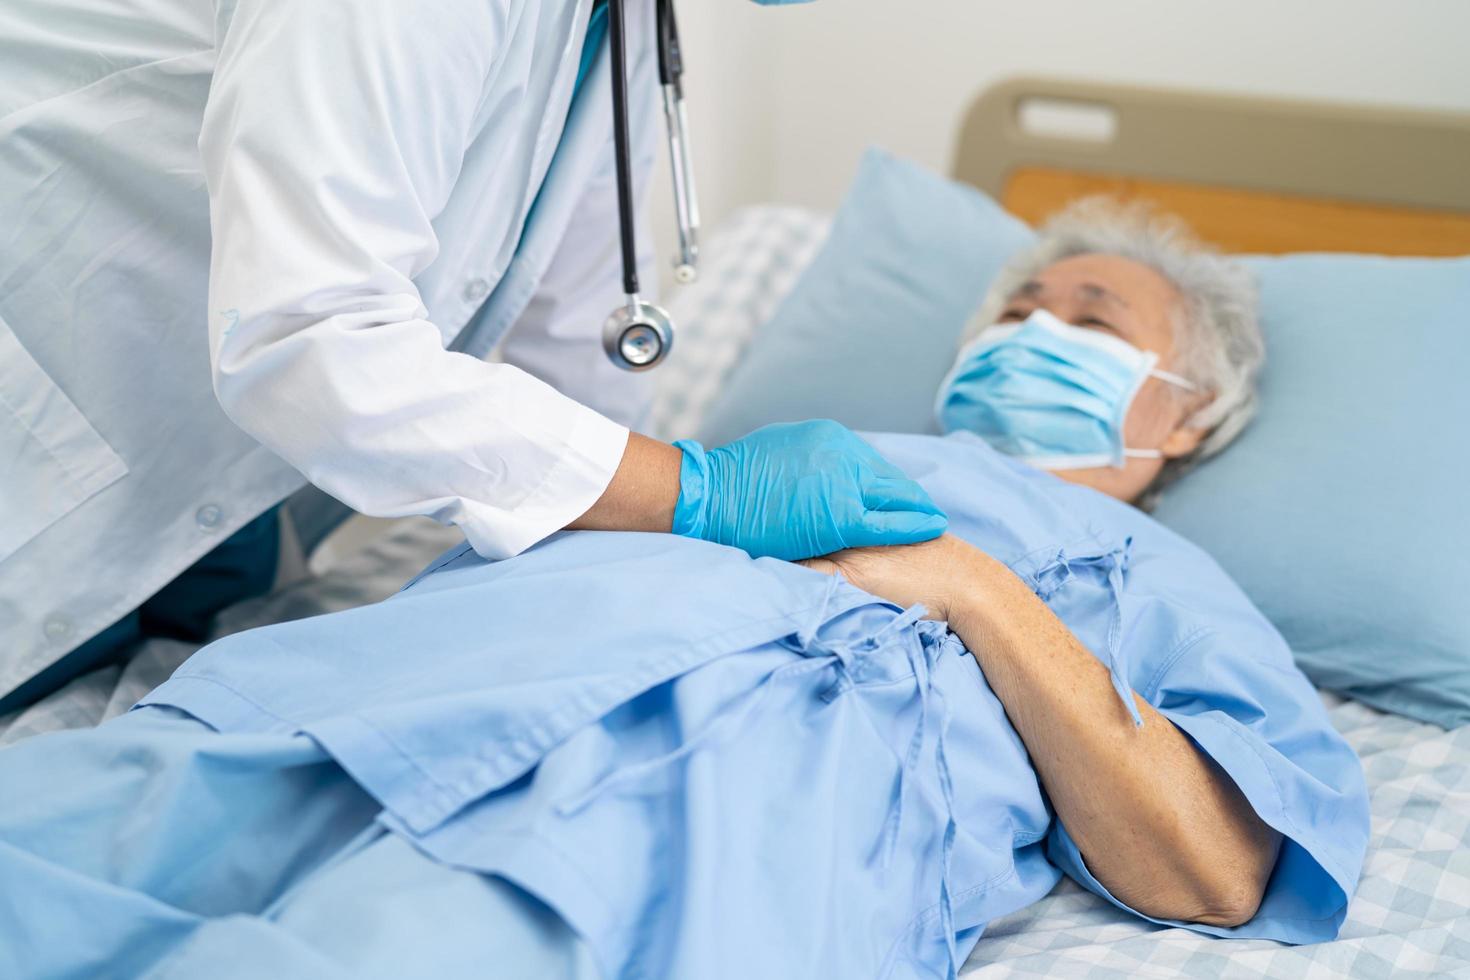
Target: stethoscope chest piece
[(637, 335)]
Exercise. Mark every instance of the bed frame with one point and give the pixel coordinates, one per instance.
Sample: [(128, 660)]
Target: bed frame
[(1249, 174)]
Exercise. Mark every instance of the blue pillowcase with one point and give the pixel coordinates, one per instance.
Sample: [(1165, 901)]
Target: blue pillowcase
[(872, 325), (1342, 511)]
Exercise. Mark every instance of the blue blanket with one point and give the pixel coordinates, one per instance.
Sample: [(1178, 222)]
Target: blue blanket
[(712, 766)]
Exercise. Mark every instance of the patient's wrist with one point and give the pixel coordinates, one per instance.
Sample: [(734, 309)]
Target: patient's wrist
[(985, 590)]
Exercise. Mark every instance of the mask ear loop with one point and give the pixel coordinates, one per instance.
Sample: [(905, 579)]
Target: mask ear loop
[(1168, 377), (1177, 380)]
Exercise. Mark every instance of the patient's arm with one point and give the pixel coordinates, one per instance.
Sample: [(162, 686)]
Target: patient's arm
[(1157, 822)]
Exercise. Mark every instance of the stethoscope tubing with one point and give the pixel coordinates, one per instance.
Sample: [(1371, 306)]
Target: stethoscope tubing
[(621, 149)]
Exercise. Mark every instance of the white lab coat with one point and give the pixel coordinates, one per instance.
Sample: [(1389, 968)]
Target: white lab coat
[(350, 184)]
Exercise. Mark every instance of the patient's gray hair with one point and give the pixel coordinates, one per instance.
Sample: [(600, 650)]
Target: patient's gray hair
[(1217, 336)]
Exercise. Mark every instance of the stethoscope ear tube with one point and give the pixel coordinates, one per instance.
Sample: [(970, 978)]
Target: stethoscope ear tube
[(676, 121), (686, 204)]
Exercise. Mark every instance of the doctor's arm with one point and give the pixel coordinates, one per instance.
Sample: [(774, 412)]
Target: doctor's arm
[(332, 139), (333, 136), (1162, 827)]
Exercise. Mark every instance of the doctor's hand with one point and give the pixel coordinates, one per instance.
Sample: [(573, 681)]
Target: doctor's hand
[(799, 490)]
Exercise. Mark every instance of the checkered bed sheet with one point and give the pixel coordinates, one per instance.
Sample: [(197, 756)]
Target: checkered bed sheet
[(746, 269), (1410, 917)]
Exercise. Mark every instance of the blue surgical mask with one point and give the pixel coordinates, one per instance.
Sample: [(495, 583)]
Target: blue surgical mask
[(1050, 394)]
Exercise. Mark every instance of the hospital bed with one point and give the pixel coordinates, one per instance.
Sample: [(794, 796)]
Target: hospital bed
[(1242, 172)]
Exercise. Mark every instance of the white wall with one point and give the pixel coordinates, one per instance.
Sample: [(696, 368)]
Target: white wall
[(783, 100)]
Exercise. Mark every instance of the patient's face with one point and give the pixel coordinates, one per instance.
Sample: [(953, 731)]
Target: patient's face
[(1129, 300)]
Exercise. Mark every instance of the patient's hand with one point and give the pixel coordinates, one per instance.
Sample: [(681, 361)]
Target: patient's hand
[(933, 573), (1160, 825)]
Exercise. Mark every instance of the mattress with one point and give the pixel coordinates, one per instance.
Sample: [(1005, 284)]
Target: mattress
[(1409, 918)]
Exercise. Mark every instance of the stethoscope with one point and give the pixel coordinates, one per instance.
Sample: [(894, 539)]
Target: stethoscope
[(637, 335)]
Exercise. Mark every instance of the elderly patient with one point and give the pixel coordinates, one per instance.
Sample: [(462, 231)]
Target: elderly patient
[(641, 755)]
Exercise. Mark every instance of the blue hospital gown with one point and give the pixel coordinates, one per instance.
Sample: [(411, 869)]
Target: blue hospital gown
[(712, 766)]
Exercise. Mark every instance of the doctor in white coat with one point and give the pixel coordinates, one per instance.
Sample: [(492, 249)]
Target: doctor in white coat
[(248, 243)]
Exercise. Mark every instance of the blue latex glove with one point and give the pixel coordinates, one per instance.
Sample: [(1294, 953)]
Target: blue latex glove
[(798, 490)]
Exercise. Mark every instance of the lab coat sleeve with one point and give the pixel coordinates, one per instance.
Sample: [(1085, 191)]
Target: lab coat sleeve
[(559, 336), (1234, 691), (333, 134)]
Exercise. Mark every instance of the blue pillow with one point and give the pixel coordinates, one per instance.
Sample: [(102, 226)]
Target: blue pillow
[(872, 325), (1342, 510)]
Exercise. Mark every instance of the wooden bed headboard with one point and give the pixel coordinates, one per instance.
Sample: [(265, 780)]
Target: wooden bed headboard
[(1248, 174)]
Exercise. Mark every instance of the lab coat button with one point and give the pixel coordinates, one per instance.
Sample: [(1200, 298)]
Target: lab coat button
[(57, 627), (476, 289), (208, 517)]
